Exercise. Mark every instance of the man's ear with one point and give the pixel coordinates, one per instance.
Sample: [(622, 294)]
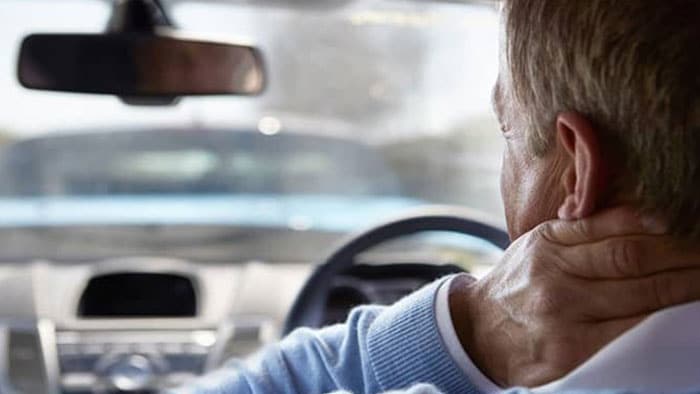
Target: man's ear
[(584, 180)]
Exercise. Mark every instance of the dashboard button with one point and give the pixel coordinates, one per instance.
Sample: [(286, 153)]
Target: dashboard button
[(78, 363), (68, 349), (147, 348), (93, 348), (120, 348), (185, 363), (196, 349), (172, 348), (132, 373), (77, 381)]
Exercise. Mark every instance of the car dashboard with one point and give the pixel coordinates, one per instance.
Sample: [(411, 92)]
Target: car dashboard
[(143, 324), (127, 324)]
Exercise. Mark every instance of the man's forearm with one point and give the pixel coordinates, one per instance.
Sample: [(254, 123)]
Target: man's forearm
[(378, 349)]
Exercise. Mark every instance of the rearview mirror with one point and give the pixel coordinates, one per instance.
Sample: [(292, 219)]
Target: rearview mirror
[(139, 65)]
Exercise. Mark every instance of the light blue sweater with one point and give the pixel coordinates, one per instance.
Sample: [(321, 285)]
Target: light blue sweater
[(378, 350)]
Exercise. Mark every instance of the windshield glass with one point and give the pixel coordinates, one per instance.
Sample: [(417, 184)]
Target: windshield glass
[(371, 108)]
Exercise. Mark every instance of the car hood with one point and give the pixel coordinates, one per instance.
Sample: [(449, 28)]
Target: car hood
[(297, 212)]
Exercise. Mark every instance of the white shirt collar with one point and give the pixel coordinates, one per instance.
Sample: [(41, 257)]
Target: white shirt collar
[(661, 354)]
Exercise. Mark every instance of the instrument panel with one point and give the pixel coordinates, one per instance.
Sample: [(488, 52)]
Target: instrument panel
[(140, 325), (135, 325)]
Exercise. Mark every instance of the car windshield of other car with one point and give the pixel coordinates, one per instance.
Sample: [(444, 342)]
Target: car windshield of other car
[(371, 108)]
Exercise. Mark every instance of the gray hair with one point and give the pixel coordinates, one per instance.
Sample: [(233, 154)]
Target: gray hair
[(633, 68)]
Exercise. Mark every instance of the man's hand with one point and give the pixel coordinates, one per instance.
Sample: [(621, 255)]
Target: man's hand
[(567, 288)]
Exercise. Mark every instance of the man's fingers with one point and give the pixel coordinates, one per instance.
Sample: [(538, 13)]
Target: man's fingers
[(625, 257), (616, 299), (602, 333), (613, 222)]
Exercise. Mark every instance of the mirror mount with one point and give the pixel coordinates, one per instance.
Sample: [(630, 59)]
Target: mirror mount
[(138, 16)]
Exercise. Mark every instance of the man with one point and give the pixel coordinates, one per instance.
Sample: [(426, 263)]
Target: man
[(598, 101)]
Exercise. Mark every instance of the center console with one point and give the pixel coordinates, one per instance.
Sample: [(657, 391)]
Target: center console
[(130, 361), (133, 361), (134, 325)]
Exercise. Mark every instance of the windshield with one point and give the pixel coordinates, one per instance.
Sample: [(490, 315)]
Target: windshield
[(371, 108)]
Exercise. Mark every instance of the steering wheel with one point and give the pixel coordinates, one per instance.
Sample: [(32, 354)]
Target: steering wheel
[(308, 308)]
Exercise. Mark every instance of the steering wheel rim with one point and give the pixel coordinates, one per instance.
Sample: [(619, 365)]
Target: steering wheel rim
[(307, 310)]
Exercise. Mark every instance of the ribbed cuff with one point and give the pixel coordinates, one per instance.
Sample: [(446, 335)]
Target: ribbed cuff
[(405, 347)]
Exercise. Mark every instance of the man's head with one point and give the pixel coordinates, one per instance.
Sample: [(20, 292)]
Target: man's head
[(598, 100)]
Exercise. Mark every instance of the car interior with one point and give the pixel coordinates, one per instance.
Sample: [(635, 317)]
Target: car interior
[(185, 181)]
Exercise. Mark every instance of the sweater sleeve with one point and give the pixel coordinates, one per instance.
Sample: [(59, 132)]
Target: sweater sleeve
[(378, 349)]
